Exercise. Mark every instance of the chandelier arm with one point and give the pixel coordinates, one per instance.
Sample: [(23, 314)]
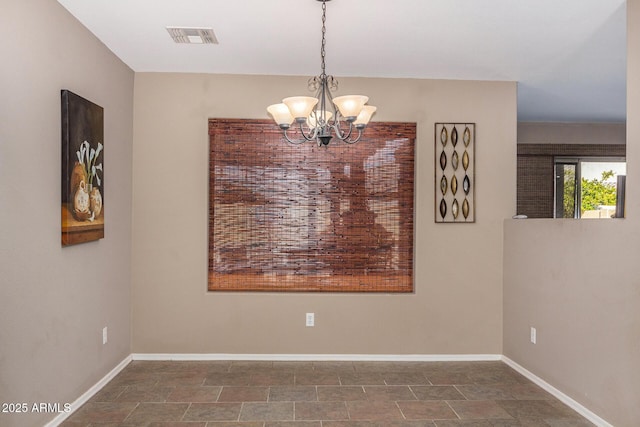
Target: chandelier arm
[(342, 135), (312, 133), (353, 141), (295, 142)]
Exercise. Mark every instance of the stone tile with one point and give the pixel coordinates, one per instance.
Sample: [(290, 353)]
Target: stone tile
[(563, 409), (482, 409), (437, 392), (333, 367), (485, 392), (374, 411), (271, 411), (186, 366), (147, 412), (293, 366), (293, 394), (391, 392), (540, 409), (108, 393), (321, 411), (426, 410), (68, 423), (361, 378), (194, 394), (389, 423), (293, 424), (175, 424), (235, 424), (182, 379), (213, 412), (383, 367), (569, 423), (457, 423), (317, 378), (103, 412), (396, 367), (217, 366), (249, 366), (524, 422), (228, 378), (272, 378), (340, 393), (94, 424), (528, 392), (405, 378), (140, 379), (449, 378), (498, 377), (145, 394), (244, 394)]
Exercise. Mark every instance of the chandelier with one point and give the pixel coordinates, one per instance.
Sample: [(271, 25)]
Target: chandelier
[(319, 118)]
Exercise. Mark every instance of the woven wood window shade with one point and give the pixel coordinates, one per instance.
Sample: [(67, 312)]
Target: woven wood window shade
[(302, 218)]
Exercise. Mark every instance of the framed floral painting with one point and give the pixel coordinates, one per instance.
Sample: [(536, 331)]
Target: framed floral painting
[(82, 170)]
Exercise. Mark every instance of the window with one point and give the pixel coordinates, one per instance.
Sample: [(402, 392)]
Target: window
[(589, 187), (306, 218), (537, 172)]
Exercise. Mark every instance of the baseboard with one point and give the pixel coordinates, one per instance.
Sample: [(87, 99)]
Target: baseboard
[(595, 419), (89, 393), (321, 357)]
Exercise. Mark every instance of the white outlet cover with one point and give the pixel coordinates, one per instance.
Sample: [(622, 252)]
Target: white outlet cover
[(310, 319), (104, 335)]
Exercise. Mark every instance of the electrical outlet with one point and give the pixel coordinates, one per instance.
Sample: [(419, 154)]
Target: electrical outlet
[(533, 335), (104, 335), (310, 319)]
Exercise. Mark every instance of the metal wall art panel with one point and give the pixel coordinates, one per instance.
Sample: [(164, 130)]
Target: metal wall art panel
[(455, 145)]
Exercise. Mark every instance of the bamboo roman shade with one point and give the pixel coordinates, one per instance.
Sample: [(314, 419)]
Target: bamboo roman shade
[(288, 217)]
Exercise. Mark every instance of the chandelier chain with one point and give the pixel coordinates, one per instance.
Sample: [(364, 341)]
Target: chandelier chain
[(324, 31)]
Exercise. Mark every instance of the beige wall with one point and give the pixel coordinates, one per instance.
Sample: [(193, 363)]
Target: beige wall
[(456, 308), (571, 133), (55, 301), (577, 282)]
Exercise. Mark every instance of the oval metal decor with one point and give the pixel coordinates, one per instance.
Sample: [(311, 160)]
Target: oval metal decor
[(443, 160), (466, 136), (454, 136), (454, 185), (466, 184), (465, 208), (443, 185), (443, 208), (454, 209), (444, 136), (465, 160), (455, 159)]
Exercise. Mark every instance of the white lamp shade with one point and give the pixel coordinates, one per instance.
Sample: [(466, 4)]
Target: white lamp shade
[(280, 114), (300, 106), (365, 115), (350, 105), (315, 116)]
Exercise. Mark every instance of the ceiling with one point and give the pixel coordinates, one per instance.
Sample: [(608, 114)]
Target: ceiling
[(568, 57)]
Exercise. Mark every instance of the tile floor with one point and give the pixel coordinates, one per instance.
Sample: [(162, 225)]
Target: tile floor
[(322, 394)]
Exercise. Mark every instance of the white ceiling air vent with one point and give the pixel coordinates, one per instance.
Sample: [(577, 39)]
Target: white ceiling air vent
[(192, 35)]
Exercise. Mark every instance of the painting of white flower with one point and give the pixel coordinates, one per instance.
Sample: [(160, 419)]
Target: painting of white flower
[(82, 170)]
